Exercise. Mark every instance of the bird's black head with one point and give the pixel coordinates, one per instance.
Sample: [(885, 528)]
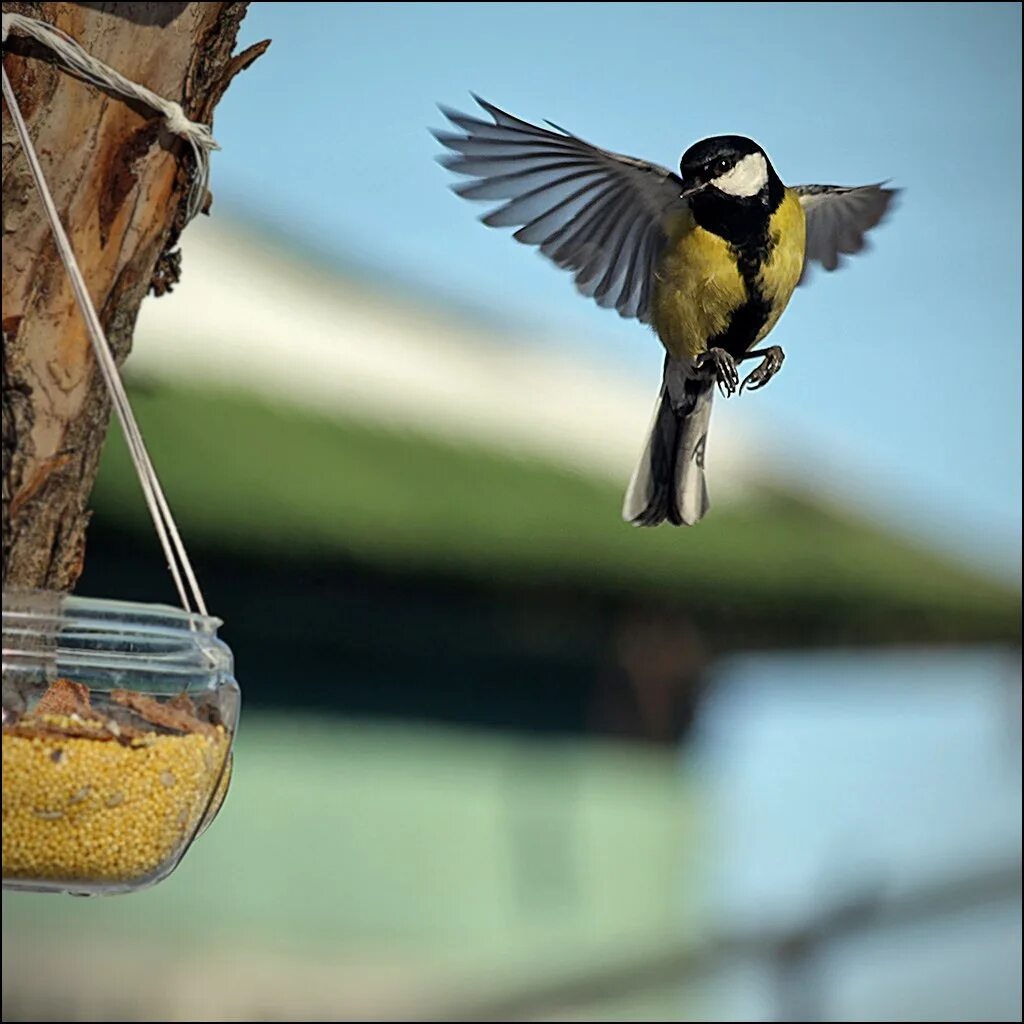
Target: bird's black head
[(731, 186), (728, 165)]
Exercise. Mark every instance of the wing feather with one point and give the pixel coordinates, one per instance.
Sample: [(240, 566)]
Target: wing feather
[(601, 215), (838, 218)]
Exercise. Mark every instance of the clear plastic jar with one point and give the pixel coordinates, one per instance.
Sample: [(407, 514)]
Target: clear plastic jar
[(118, 721)]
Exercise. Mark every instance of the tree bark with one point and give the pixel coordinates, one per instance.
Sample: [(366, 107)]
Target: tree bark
[(120, 182)]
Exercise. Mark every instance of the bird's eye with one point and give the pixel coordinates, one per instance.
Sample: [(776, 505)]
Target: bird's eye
[(721, 166)]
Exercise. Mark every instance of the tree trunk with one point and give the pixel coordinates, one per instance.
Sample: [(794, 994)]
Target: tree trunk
[(120, 182)]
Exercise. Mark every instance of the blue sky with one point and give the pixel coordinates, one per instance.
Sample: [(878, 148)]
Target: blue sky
[(906, 365)]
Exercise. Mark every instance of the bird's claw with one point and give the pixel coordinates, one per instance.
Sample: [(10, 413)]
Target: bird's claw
[(726, 375), (765, 370)]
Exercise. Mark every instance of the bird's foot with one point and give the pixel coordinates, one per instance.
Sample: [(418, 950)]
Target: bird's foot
[(724, 366), (768, 367)]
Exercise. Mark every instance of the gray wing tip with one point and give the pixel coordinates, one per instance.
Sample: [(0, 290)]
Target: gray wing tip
[(461, 121), (450, 112), (889, 197), (464, 122), (501, 118), (492, 218), (892, 195), (885, 190), (485, 104), (444, 137)]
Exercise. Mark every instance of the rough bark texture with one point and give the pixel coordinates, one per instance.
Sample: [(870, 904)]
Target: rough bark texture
[(119, 181)]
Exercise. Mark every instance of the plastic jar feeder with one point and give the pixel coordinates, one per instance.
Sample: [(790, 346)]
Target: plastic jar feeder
[(118, 722)]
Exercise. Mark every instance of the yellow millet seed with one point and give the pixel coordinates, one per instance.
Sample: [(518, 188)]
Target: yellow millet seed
[(91, 810)]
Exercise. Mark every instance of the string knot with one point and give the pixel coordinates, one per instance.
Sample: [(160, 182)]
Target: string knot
[(83, 65)]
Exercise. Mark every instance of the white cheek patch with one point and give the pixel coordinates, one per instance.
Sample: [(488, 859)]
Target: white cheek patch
[(746, 179)]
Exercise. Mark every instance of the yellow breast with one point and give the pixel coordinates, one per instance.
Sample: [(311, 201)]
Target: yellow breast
[(697, 288), (785, 263), (698, 285)]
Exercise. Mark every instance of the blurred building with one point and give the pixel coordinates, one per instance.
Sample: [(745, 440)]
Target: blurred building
[(410, 493)]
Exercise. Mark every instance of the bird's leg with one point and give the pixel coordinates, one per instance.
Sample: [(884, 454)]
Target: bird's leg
[(770, 365), (726, 375)]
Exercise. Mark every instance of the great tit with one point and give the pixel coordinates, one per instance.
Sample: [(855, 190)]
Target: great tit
[(708, 257)]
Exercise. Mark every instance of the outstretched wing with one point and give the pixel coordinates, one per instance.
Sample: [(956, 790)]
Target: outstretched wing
[(838, 218), (601, 215)]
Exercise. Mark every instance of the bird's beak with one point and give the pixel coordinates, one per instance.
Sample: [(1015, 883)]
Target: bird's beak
[(692, 188)]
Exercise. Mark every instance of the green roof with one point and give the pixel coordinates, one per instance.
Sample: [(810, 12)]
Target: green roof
[(273, 482)]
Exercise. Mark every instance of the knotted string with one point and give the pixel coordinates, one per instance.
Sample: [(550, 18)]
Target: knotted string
[(163, 521), (83, 65)]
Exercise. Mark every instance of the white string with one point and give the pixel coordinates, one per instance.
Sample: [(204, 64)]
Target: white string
[(90, 69), (167, 531)]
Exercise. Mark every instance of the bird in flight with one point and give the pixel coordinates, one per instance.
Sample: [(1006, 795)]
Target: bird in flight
[(708, 257)]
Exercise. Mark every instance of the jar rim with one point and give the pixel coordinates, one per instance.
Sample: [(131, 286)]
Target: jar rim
[(169, 612), (39, 605), (50, 628)]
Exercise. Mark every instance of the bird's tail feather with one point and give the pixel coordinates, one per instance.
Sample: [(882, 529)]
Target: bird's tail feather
[(668, 482)]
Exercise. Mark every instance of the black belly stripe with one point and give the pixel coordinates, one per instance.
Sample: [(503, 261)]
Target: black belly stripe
[(744, 224), (747, 320)]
